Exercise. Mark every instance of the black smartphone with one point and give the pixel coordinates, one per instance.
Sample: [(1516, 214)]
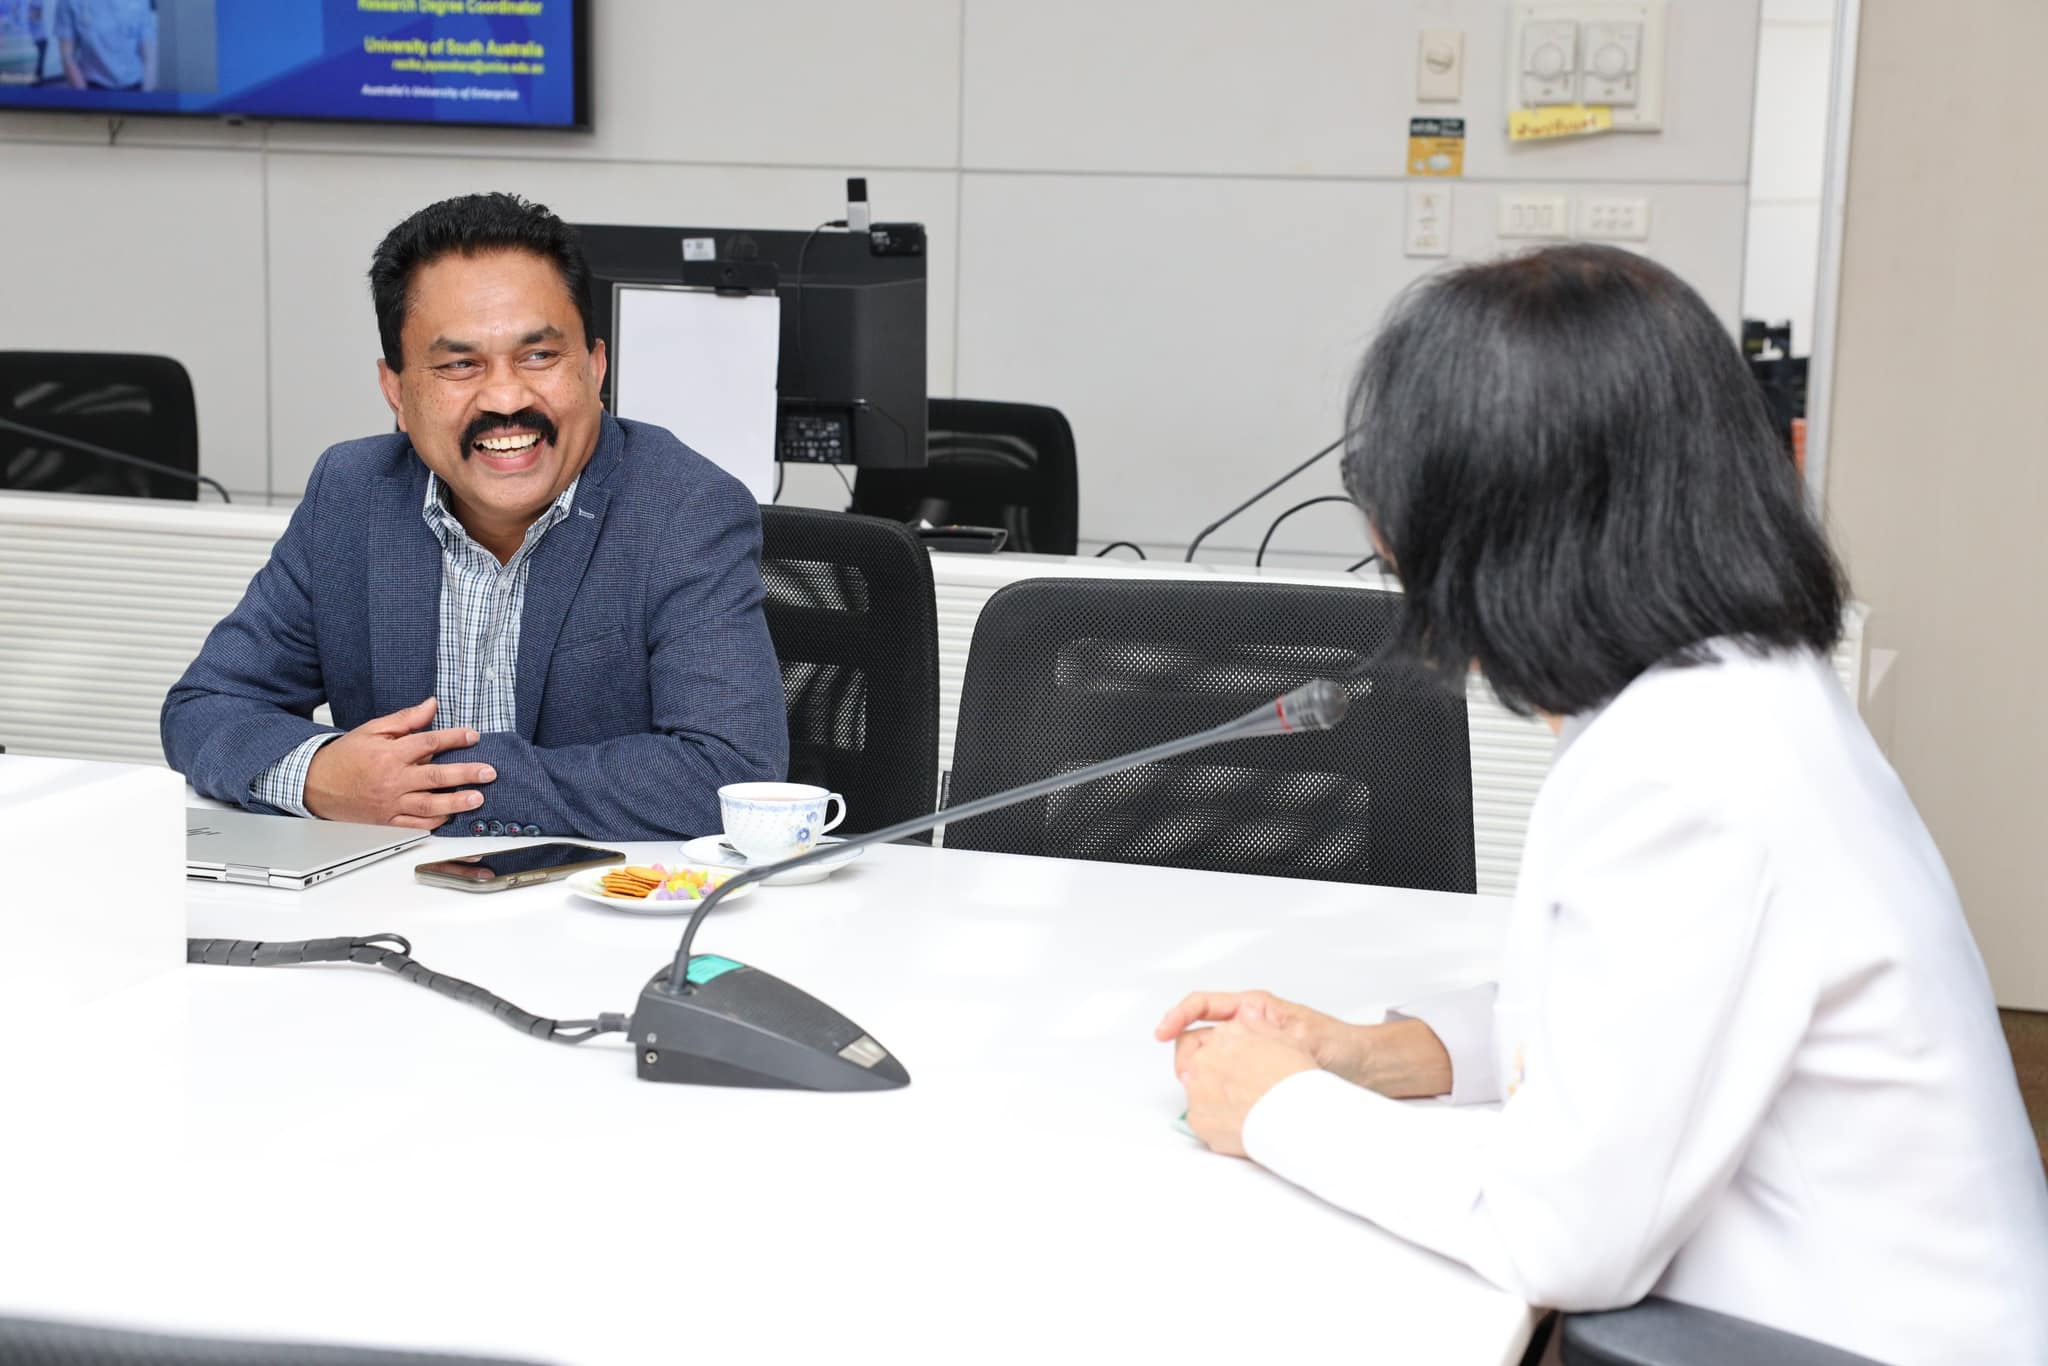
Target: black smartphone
[(503, 868)]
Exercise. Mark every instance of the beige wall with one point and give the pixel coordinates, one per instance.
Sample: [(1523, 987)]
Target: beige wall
[(1938, 462)]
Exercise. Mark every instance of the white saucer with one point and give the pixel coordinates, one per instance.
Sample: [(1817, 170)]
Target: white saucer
[(706, 850), (589, 884)]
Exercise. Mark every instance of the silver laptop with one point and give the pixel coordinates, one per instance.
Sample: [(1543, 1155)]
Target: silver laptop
[(282, 851)]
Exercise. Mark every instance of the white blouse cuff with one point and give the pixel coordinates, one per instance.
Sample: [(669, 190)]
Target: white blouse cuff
[(1291, 1128)]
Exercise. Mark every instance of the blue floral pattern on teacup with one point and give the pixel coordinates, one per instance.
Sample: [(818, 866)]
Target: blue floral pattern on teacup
[(772, 827)]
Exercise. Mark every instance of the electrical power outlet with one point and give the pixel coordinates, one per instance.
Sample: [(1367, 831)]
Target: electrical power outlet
[(1615, 220), (1534, 215), (1429, 221)]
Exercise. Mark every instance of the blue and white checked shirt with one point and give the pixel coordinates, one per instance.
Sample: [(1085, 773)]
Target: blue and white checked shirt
[(475, 664)]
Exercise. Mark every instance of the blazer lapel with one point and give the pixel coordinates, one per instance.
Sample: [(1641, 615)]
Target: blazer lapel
[(404, 595), (555, 573)]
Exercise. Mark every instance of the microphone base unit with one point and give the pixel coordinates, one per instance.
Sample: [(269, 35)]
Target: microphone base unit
[(735, 1025)]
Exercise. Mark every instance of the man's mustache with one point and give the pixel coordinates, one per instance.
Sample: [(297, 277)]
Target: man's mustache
[(487, 424)]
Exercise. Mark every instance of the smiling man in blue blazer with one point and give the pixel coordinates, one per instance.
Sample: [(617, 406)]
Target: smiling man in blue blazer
[(528, 616)]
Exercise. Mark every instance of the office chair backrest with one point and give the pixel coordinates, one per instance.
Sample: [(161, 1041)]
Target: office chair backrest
[(1009, 465), (37, 1342), (137, 405), (1064, 672), (851, 610), (1661, 1332)]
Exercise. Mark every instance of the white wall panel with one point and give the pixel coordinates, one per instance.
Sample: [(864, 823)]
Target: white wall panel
[(204, 134), (1200, 333), (1310, 88), (329, 210), (1791, 132), (1799, 11), (1191, 86), (146, 249), (1783, 266), (1787, 164), (777, 82)]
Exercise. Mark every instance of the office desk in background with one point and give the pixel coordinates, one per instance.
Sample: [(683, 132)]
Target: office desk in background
[(331, 1153)]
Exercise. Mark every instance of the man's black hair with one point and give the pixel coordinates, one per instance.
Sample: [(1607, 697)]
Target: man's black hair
[(1574, 475), (470, 224)]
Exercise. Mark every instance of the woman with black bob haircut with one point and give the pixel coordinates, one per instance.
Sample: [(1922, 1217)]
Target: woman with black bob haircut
[(1744, 1048), (1567, 464)]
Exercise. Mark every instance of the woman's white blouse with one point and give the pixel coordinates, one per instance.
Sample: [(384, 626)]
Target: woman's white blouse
[(1745, 1045)]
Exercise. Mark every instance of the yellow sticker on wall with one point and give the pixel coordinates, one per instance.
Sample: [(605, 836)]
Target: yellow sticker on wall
[(1559, 121), (1436, 147)]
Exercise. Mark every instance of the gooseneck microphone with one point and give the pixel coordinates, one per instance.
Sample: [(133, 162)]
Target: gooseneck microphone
[(715, 1021), (118, 457), (1203, 534)]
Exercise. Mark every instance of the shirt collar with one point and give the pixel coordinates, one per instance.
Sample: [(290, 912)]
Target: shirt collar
[(1717, 651), (439, 520), (1573, 727)]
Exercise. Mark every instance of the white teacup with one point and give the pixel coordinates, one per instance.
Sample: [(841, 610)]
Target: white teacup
[(770, 822)]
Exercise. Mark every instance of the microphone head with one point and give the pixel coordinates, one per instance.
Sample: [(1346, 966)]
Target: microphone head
[(1317, 704)]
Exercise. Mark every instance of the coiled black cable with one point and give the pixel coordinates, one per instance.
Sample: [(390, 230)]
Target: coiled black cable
[(376, 950)]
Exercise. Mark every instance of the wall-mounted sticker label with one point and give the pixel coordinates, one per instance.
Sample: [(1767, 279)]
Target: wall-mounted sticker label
[(1436, 147)]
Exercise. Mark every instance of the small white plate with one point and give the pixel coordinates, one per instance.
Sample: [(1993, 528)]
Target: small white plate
[(589, 884), (706, 851)]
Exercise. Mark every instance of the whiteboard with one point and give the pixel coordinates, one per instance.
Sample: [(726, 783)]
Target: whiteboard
[(702, 365)]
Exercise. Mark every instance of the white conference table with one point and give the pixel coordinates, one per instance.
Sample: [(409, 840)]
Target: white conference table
[(329, 1153)]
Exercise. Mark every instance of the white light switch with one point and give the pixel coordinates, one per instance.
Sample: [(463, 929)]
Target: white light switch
[(1440, 65), (1534, 215), (1429, 221), (1615, 220)]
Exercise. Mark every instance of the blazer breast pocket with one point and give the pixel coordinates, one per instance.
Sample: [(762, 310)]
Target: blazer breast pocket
[(595, 691), (609, 641)]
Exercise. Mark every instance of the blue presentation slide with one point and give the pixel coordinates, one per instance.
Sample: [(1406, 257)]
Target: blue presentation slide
[(509, 62)]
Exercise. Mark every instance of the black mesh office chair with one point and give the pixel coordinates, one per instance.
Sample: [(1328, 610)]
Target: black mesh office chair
[(1064, 672), (851, 610), (989, 464), (137, 405), (1662, 1333), (35, 1342)]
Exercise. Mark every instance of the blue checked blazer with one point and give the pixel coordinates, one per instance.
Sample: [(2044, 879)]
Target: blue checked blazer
[(646, 677)]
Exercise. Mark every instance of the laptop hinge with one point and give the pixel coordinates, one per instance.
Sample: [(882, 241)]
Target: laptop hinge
[(242, 872)]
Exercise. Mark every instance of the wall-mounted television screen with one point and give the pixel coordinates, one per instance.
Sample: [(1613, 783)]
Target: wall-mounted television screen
[(507, 63)]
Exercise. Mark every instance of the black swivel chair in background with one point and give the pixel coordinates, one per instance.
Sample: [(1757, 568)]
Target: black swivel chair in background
[(1008, 465), (39, 1342), (851, 611), (1063, 672), (137, 405)]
